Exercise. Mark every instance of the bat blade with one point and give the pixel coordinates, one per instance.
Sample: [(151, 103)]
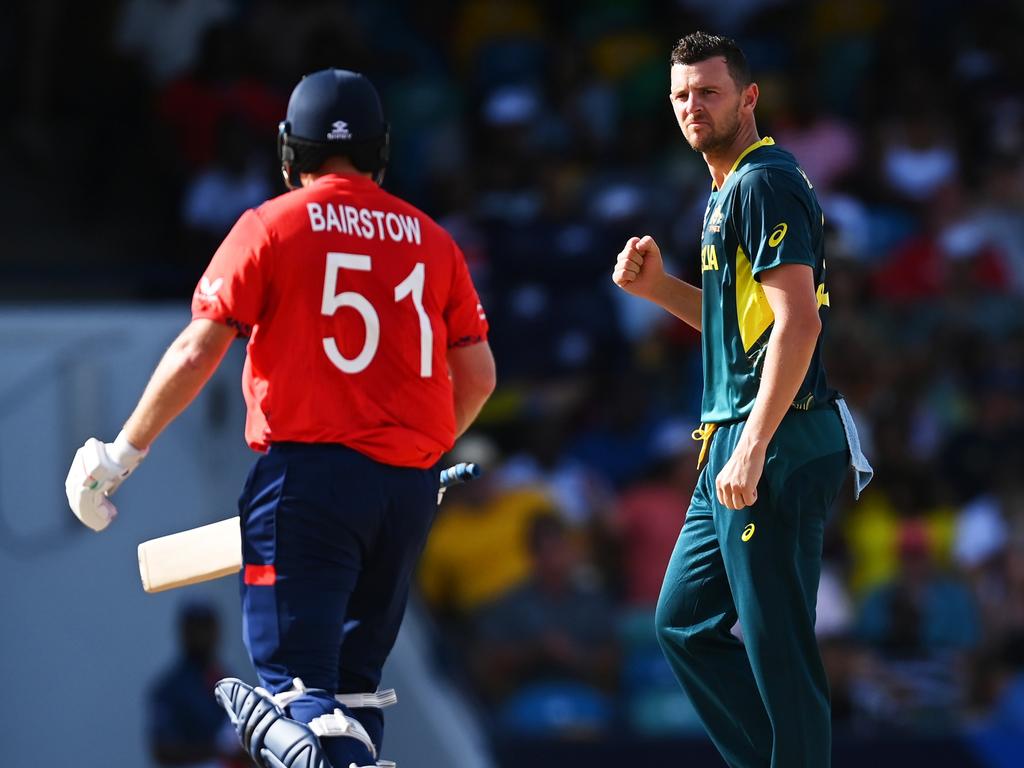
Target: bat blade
[(215, 550), (192, 556)]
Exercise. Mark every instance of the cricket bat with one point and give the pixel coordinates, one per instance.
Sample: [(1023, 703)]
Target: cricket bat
[(215, 550), (198, 554)]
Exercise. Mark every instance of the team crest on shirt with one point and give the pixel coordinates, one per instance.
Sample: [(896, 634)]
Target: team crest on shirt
[(210, 289), (716, 221)]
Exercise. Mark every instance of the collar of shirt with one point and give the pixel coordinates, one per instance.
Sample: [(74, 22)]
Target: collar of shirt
[(353, 179), (767, 141)]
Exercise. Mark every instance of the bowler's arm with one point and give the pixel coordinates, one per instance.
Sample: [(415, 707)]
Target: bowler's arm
[(680, 298), (789, 289), (473, 380), (184, 369), (640, 270)]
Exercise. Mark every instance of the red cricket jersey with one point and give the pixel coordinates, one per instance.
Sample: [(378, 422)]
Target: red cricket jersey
[(350, 298)]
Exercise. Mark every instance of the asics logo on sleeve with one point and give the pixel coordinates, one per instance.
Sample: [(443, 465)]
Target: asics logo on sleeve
[(777, 234), (748, 532)]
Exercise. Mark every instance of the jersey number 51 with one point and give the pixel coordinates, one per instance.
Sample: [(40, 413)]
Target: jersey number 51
[(412, 286)]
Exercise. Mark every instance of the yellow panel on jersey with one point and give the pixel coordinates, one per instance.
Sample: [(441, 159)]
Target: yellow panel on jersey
[(754, 314)]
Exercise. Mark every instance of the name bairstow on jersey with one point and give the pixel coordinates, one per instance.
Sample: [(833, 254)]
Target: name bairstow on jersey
[(363, 222)]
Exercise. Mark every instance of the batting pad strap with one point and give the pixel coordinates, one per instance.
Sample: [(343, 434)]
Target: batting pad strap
[(337, 723), (284, 698), (379, 700)]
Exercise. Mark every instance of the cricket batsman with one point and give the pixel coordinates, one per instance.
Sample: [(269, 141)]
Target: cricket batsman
[(777, 441), (367, 355)]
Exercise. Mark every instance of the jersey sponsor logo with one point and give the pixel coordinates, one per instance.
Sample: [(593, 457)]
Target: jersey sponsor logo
[(366, 223), (339, 131), (209, 290), (777, 234), (708, 257), (748, 532)]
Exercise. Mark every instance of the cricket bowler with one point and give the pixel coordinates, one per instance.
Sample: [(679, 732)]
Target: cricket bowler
[(777, 441), (367, 355)]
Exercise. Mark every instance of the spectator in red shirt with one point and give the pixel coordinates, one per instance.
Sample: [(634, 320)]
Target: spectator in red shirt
[(650, 514)]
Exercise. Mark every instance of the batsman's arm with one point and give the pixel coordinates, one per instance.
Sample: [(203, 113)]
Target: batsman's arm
[(184, 369), (639, 270), (473, 380)]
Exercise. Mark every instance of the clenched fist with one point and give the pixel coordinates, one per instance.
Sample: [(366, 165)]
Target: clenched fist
[(97, 471), (639, 269)]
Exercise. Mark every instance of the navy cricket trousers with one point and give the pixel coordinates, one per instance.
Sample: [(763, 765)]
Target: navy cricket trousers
[(330, 540)]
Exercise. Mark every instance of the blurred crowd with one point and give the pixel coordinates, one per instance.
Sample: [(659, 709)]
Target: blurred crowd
[(540, 135)]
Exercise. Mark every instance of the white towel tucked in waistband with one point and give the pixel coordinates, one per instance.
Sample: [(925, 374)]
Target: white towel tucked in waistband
[(862, 471)]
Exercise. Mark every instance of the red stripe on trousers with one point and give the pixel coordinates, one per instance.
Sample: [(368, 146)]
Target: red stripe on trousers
[(260, 575)]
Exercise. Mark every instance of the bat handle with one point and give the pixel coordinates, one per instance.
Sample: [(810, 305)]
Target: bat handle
[(460, 473)]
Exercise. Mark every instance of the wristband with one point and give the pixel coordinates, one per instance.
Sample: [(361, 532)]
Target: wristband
[(124, 453)]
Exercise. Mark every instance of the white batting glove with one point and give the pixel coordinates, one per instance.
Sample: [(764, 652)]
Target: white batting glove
[(98, 470)]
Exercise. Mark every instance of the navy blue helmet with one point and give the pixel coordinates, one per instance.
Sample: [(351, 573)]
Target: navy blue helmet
[(332, 112)]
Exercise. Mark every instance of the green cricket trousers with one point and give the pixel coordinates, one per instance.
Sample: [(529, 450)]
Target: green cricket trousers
[(763, 701)]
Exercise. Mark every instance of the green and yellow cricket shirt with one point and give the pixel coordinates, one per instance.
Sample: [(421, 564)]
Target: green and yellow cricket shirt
[(766, 214)]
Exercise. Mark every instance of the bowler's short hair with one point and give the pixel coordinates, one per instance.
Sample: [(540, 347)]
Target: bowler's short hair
[(700, 46)]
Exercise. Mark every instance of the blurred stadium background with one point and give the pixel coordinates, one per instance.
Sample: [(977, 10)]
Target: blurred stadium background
[(539, 134)]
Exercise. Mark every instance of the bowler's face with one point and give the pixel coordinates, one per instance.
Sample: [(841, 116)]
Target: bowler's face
[(707, 103)]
